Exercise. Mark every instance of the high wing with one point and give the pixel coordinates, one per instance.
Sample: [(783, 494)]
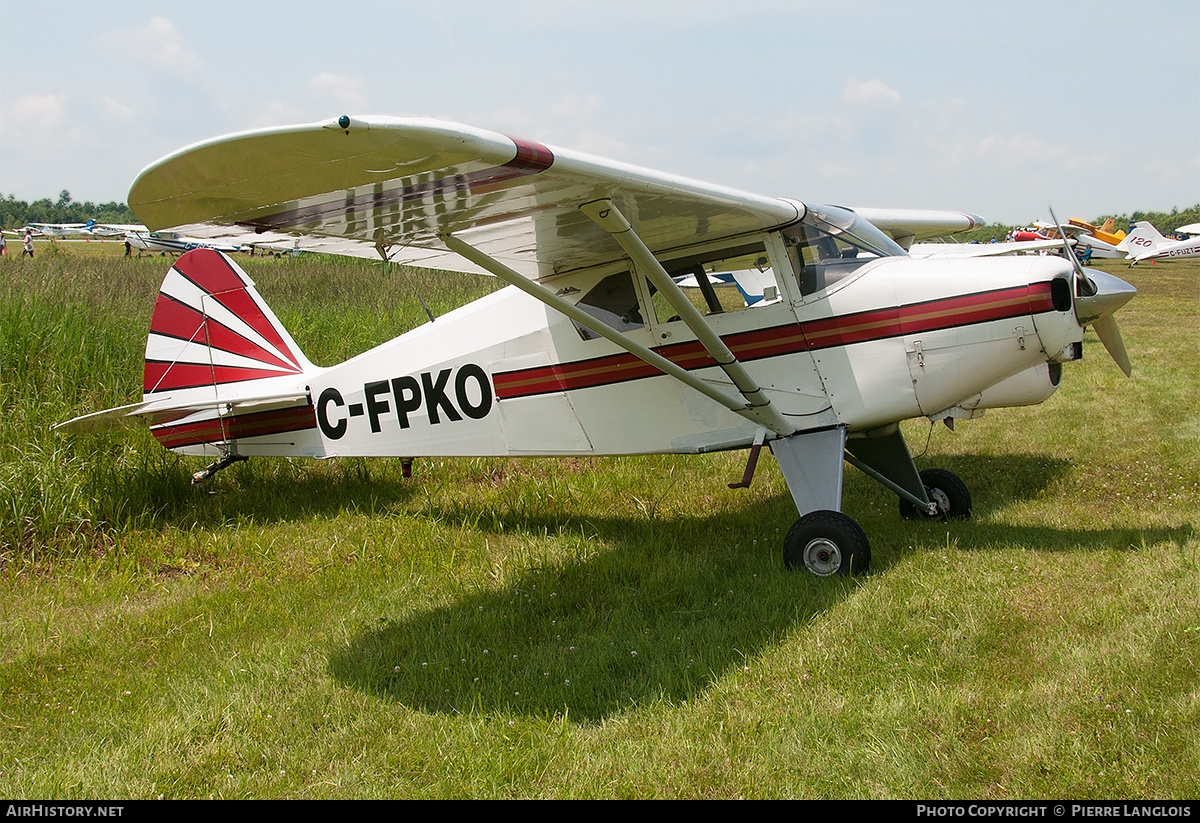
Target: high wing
[(908, 225), (395, 185), (91, 227), (391, 187)]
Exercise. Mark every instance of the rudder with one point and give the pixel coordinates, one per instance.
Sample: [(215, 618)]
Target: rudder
[(212, 332)]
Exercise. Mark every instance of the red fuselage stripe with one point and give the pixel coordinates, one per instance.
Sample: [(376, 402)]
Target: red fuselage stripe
[(877, 324), (237, 427)]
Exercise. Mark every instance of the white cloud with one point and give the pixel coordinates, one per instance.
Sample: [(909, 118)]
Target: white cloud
[(157, 44), (870, 92), (1018, 149), (34, 119), (38, 110), (116, 111)]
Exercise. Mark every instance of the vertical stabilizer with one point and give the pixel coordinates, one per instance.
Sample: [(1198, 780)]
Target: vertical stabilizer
[(211, 332), (1143, 240)]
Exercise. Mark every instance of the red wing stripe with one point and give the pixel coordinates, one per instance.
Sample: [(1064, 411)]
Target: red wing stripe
[(531, 158)]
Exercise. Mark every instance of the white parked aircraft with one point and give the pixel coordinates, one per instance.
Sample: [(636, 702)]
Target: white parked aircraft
[(1146, 243), (594, 349), (171, 242), (90, 228)]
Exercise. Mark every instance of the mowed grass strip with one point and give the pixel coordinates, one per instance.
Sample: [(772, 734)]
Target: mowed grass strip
[(584, 627)]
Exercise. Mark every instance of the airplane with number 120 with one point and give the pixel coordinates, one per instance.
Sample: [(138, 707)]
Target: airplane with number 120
[(594, 349)]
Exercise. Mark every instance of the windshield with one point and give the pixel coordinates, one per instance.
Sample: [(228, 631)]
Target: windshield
[(831, 243)]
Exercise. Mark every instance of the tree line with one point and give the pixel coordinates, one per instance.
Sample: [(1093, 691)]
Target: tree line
[(16, 213), (1165, 223)]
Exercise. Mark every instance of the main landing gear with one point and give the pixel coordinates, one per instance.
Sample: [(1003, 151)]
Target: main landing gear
[(826, 542)]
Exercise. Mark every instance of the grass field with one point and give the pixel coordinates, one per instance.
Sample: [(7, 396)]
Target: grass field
[(583, 628)]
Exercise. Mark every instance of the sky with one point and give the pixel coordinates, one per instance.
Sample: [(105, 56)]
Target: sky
[(1091, 107)]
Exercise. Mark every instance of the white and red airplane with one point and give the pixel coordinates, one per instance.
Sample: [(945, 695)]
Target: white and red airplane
[(594, 349), (1145, 242)]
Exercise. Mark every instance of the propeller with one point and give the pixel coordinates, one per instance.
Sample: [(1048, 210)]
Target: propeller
[(1084, 287), (1098, 295)]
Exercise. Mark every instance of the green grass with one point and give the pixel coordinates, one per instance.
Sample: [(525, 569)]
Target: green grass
[(582, 627)]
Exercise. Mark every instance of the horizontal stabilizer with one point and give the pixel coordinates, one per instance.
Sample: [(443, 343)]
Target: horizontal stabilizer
[(162, 410)]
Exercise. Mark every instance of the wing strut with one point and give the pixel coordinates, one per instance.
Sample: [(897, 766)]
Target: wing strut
[(609, 218), (773, 421)]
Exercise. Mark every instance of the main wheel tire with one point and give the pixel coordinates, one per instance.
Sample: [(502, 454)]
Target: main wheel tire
[(947, 491), (827, 543)]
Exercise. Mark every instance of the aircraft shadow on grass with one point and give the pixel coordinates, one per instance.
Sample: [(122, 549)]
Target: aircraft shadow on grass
[(596, 635)]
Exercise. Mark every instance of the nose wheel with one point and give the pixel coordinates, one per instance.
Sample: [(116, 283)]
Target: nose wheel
[(827, 543), (946, 491)]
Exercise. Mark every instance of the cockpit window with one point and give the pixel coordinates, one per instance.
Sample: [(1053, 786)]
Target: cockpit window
[(614, 302), (831, 243)]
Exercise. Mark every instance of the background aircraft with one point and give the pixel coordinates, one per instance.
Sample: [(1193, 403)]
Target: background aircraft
[(1091, 241), (174, 242), (1145, 242), (91, 228), (594, 348), (945, 250)]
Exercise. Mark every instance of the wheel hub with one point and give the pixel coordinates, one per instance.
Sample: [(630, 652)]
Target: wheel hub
[(822, 557), (940, 499)]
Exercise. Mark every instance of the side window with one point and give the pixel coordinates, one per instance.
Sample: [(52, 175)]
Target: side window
[(614, 302), (811, 253), (721, 281)]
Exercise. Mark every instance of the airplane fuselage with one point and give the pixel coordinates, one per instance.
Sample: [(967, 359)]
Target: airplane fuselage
[(895, 339), (1139, 250), (171, 242)]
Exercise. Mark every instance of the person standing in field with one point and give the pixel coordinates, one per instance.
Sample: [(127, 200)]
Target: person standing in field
[(3, 245), (28, 246)]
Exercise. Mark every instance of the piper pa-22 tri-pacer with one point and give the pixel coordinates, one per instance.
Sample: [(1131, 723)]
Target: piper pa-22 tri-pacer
[(594, 349)]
